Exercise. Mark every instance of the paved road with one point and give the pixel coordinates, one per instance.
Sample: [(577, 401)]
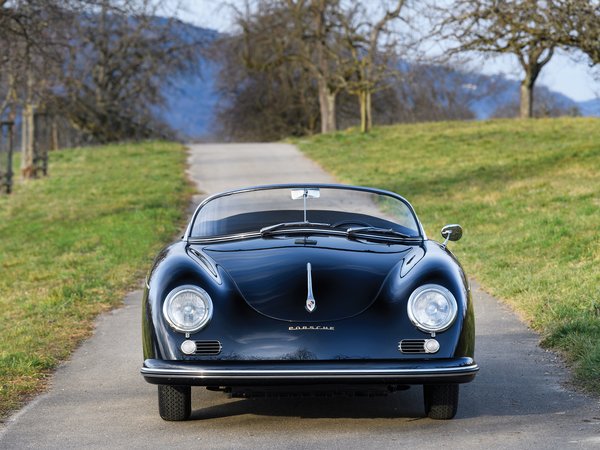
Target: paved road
[(99, 400)]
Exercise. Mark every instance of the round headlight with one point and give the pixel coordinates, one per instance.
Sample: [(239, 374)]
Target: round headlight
[(188, 308), (432, 308)]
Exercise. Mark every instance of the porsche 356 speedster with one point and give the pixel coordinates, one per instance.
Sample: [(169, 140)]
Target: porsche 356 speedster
[(307, 287)]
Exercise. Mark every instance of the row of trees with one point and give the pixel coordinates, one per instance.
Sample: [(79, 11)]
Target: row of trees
[(99, 64), (294, 66), (327, 46), (293, 62)]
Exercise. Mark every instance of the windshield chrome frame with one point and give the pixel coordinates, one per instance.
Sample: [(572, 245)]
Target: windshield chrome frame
[(186, 236)]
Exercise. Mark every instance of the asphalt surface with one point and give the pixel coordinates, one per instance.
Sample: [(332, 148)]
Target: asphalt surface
[(520, 399)]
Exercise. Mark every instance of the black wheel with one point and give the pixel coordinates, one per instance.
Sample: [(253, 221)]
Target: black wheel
[(441, 400), (174, 402)]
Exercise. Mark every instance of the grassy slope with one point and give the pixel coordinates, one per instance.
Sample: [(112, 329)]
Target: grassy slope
[(72, 244), (528, 196)]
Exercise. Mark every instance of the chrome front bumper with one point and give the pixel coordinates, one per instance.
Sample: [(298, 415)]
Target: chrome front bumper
[(266, 373)]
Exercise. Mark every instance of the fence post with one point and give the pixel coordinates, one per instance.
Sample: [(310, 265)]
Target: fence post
[(41, 142), (46, 145), (54, 133), (7, 127)]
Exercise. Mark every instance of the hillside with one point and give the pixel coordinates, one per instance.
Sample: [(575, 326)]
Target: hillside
[(528, 196)]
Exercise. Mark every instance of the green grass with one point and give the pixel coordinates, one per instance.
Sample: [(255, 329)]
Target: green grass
[(72, 244), (528, 196)]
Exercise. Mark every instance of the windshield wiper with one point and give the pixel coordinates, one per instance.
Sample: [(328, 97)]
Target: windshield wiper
[(372, 233), (292, 225), (376, 232)]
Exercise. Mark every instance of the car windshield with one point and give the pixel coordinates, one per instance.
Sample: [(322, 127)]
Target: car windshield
[(284, 209)]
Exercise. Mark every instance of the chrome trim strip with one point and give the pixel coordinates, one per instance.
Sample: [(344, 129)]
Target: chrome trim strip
[(324, 373)]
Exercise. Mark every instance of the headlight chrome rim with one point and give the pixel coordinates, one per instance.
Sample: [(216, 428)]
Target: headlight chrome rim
[(204, 297), (453, 305)]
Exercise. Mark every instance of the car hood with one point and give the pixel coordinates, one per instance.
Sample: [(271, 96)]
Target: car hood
[(272, 275)]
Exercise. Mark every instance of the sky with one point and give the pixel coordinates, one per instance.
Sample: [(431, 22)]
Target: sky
[(567, 74)]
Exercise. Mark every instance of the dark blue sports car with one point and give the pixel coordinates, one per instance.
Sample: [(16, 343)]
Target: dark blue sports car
[(276, 289)]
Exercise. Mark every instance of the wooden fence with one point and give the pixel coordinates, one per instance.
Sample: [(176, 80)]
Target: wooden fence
[(50, 132)]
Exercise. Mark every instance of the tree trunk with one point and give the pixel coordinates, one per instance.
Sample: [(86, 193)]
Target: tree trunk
[(54, 131), (7, 103), (327, 106), (362, 99), (27, 133), (526, 107), (366, 122), (27, 128), (369, 111)]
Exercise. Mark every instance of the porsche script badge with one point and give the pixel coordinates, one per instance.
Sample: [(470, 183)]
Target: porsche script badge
[(311, 303)]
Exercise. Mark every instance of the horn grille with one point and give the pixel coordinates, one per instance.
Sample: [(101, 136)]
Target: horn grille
[(208, 348), (412, 346)]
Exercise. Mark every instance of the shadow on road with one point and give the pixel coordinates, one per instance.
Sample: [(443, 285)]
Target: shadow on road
[(408, 404)]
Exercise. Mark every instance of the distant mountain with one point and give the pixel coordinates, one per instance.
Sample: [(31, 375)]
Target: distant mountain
[(590, 107), (193, 99), (492, 93), (192, 102)]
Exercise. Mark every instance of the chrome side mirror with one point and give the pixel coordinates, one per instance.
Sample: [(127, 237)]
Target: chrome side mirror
[(451, 232)]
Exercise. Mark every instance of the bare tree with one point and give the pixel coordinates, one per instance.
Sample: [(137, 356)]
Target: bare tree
[(426, 93), (32, 34), (301, 32), (336, 42), (262, 105), (577, 25), (124, 56), (368, 51), (522, 28), (313, 27), (100, 63), (257, 105)]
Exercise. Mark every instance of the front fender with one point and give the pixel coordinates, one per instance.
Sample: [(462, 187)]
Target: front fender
[(175, 265)]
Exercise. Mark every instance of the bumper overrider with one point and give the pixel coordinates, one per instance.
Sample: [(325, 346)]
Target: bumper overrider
[(267, 373)]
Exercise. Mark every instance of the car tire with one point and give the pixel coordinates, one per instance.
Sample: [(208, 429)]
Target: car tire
[(174, 402), (441, 400)]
